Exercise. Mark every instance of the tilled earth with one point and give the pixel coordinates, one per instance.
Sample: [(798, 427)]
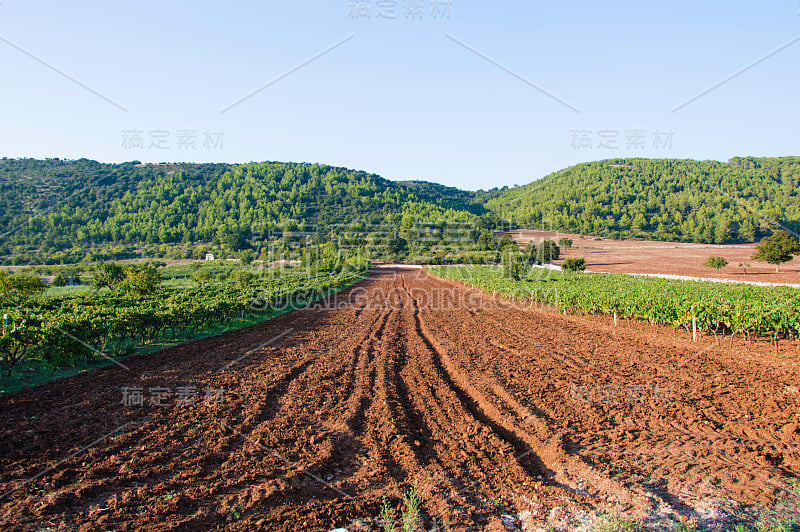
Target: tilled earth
[(503, 417)]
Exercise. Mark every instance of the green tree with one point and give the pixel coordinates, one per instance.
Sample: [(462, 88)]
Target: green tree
[(243, 278), (506, 242), (108, 274), (574, 264), (17, 289), (486, 241), (19, 335), (777, 248), (530, 251), (715, 262), (548, 252), (565, 243), (201, 276), (397, 248), (141, 280), (238, 240), (514, 267)]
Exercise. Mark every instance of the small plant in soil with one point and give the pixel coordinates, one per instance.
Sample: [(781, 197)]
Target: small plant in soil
[(411, 502), (615, 522), (387, 516), (409, 515)]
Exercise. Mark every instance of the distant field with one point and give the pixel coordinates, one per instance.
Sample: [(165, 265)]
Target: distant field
[(672, 258)]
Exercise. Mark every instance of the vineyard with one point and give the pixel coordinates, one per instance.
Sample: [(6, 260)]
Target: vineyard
[(66, 330), (716, 307)]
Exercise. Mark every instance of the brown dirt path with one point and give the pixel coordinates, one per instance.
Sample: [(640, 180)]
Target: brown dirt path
[(490, 411)]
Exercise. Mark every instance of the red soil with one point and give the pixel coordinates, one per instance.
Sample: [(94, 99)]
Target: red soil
[(489, 408), (673, 258)]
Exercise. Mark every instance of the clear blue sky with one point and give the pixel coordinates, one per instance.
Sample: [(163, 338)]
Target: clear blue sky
[(400, 98)]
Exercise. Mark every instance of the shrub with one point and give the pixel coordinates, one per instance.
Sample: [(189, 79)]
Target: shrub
[(141, 280), (715, 262), (547, 252), (19, 335), (17, 289), (108, 274), (574, 264), (777, 248), (514, 267), (243, 278)]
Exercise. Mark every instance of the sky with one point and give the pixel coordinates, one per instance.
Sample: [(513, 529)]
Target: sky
[(465, 93)]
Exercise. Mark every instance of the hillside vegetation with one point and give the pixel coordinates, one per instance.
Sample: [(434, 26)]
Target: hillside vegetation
[(55, 210), (63, 211), (661, 199)]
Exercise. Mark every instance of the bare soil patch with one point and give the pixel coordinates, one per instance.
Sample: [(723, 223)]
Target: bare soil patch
[(671, 258)]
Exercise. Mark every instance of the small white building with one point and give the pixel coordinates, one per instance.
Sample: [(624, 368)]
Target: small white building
[(209, 256)]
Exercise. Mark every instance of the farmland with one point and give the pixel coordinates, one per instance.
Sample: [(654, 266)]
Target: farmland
[(494, 413), (726, 309), (77, 325), (671, 258)]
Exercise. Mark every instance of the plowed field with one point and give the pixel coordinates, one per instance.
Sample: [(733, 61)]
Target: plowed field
[(317, 415)]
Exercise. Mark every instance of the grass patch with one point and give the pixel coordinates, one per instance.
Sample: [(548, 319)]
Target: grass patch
[(410, 517), (615, 522)]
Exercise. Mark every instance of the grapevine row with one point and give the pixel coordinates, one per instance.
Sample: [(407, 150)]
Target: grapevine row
[(717, 307)]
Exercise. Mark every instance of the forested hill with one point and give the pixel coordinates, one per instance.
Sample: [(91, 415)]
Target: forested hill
[(54, 210), (661, 199), (49, 206)]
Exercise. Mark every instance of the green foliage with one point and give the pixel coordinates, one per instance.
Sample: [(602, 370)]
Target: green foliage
[(19, 334), (715, 262), (486, 241), (201, 276), (717, 307), (108, 275), (777, 248), (397, 247), (410, 519), (514, 266), (88, 210), (507, 243), (615, 522), (565, 243), (243, 278), (16, 289), (574, 264), (387, 515), (661, 199), (547, 252), (141, 280), (410, 514), (135, 279), (238, 239), (67, 330)]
